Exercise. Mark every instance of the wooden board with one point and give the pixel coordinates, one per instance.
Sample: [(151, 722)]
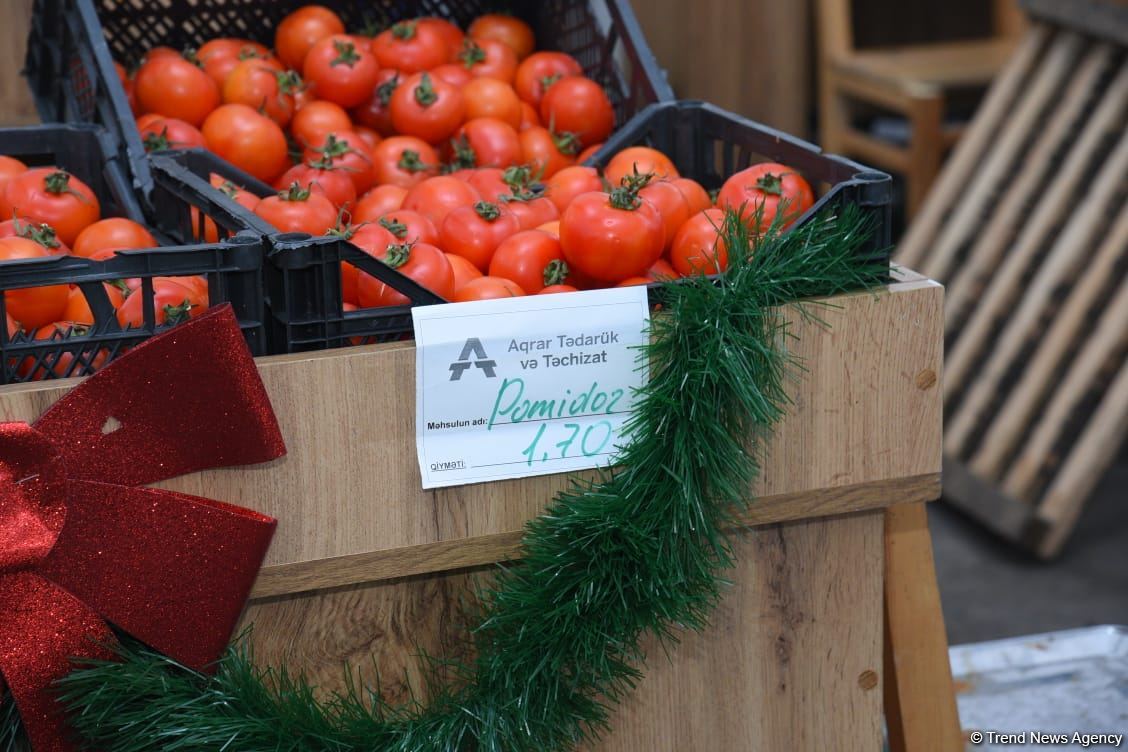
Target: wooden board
[(16, 105)]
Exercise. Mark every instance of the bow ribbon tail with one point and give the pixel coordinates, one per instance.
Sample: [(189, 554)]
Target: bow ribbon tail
[(170, 569), (42, 627)]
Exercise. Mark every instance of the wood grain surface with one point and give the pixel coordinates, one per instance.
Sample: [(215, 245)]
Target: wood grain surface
[(16, 105)]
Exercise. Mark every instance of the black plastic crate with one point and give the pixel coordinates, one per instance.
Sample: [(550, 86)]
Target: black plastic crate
[(232, 267), (74, 43), (709, 144), (301, 273)]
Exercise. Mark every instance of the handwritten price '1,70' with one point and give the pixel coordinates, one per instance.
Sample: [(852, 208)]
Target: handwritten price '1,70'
[(511, 406)]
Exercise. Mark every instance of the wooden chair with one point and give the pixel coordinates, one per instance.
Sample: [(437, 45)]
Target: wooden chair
[(913, 81)]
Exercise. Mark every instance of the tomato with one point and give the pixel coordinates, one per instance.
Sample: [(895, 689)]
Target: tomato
[(489, 182), (488, 58), (218, 57), (662, 270), (552, 228), (531, 258), (244, 198), (436, 197), (589, 152), (421, 262), (315, 121), (640, 159), (486, 142), (370, 137), (374, 112), (52, 196), (514, 32), (411, 47), (174, 302), (570, 182), (488, 288), (427, 108), (580, 106), (634, 281), (378, 202), (540, 70), (698, 247), (767, 190), (670, 203), (14, 327), (410, 227), (175, 88), (33, 307), (331, 182), (62, 363), (556, 289), (454, 74), (44, 234), (449, 31), (489, 97), (269, 91), (547, 152), (159, 133), (610, 237), (78, 310), (529, 117), (534, 212), (248, 140), (345, 151), (341, 71), (474, 232), (298, 210), (404, 161), (370, 238), (9, 168), (100, 240), (695, 195), (464, 271), (301, 30)]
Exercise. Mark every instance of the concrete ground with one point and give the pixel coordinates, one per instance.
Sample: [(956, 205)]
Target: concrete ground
[(991, 589)]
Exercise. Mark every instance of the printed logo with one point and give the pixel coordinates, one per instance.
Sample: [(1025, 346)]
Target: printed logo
[(473, 354)]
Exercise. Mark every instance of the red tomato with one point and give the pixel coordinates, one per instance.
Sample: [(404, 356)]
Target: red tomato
[(486, 142), (540, 70), (640, 159), (488, 288), (341, 70), (378, 202), (370, 137), (662, 270), (580, 106), (52, 196), (411, 47), (100, 240), (404, 161), (555, 289), (588, 153), (78, 310), (370, 238), (174, 302), (454, 74), (159, 133), (345, 151), (410, 227), (436, 197), (529, 117), (427, 108), (301, 30), (9, 168), (534, 212), (315, 121), (63, 363), (570, 182), (14, 327), (489, 97), (698, 247), (175, 88), (422, 262), (33, 307), (298, 210), (767, 190), (610, 237), (552, 228), (218, 57), (547, 152), (531, 258), (248, 140), (514, 32), (488, 58), (321, 177), (634, 281), (474, 232), (489, 182), (671, 204), (374, 112), (449, 31), (264, 88), (464, 271), (695, 195), (246, 199), (44, 234)]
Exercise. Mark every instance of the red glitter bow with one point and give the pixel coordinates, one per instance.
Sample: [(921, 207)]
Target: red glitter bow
[(81, 544)]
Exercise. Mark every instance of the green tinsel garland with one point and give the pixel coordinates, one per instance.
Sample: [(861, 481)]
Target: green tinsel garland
[(640, 551)]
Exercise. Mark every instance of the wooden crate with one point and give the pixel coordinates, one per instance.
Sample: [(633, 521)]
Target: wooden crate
[(1028, 229), (367, 569)]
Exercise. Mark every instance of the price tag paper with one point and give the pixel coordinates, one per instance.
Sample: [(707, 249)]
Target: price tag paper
[(526, 386)]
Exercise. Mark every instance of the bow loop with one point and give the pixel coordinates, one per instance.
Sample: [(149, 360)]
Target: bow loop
[(32, 497)]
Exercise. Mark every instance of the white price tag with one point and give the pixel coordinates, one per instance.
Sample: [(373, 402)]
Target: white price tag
[(526, 386)]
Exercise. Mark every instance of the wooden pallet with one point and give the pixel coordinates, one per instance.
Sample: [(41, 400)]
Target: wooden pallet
[(1028, 229)]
